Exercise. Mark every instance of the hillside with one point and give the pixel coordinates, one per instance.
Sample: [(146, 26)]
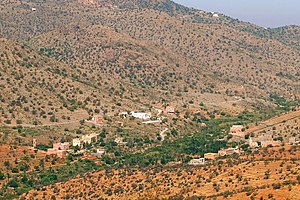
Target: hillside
[(40, 90), (161, 55), (32, 89), (270, 177), (112, 99), (222, 49)]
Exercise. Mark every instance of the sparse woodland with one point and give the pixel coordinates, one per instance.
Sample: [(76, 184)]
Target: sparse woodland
[(63, 62)]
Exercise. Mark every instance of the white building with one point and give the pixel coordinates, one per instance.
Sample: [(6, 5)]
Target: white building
[(200, 161), (100, 152), (252, 144), (124, 114), (33, 9), (140, 115), (76, 142)]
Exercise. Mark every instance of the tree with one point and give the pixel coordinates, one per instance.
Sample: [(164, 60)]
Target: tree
[(42, 163), (298, 179), (14, 170), (2, 176), (23, 166), (13, 183), (7, 164)]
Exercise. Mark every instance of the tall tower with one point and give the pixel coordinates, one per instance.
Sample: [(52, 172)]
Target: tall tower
[(34, 143)]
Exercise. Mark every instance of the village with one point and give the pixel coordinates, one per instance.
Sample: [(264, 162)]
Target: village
[(252, 138), (78, 146), (238, 133)]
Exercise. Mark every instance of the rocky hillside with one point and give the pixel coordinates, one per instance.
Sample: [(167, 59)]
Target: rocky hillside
[(38, 90), (159, 49)]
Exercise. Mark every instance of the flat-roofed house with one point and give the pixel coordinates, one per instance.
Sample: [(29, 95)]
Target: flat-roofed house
[(271, 143), (141, 115), (90, 138), (211, 156), (170, 109), (100, 152), (252, 144), (292, 141), (229, 151)]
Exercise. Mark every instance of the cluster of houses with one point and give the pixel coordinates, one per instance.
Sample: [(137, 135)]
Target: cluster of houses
[(147, 115), (213, 156), (222, 152), (239, 131), (61, 150), (264, 142)]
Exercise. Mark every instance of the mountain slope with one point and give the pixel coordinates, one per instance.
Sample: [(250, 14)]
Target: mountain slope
[(177, 56), (39, 90)]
